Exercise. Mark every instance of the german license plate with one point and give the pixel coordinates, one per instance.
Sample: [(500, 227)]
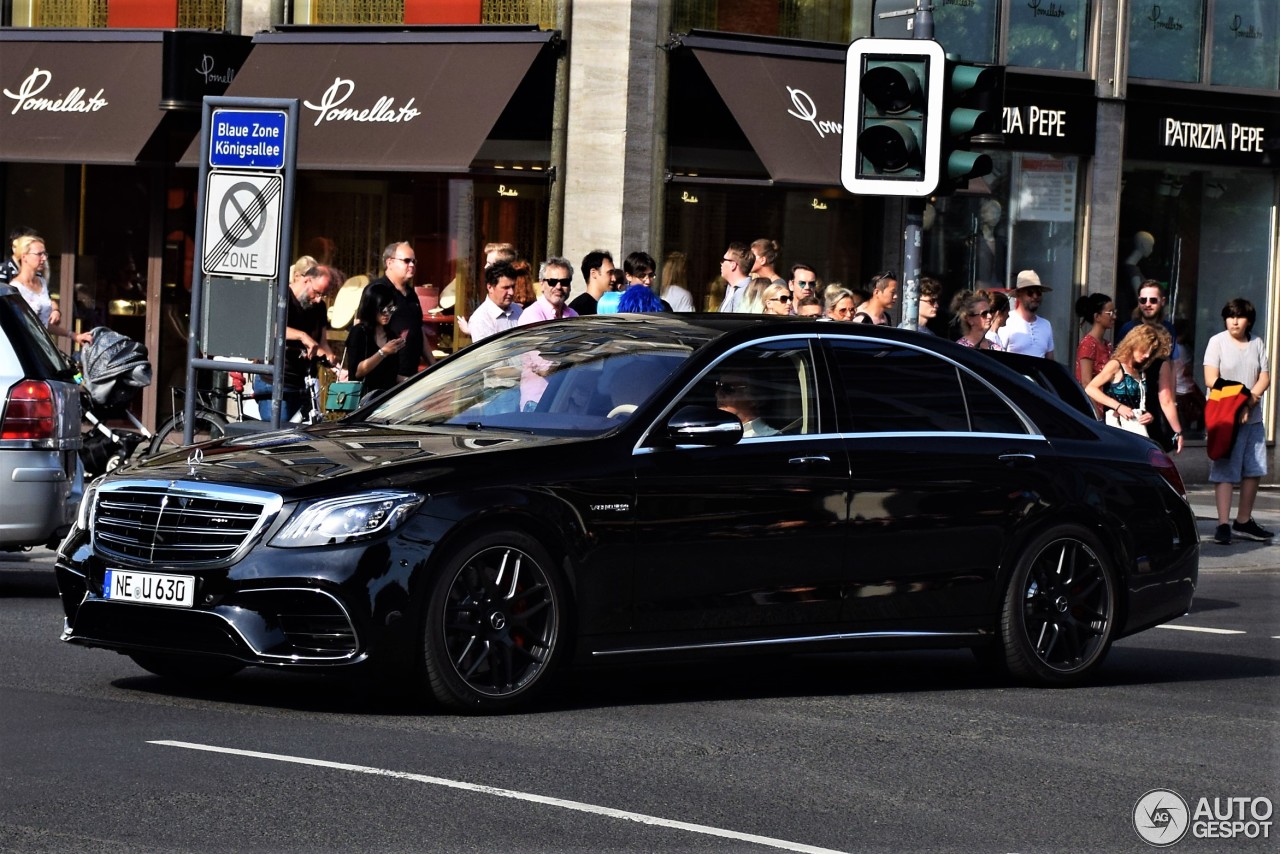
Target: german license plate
[(125, 585)]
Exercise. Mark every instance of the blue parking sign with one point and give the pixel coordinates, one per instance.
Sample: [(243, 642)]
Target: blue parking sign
[(252, 139)]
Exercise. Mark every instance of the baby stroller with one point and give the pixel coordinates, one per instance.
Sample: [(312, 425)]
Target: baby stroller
[(112, 369)]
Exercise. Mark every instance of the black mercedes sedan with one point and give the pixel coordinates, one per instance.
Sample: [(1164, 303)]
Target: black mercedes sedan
[(624, 488)]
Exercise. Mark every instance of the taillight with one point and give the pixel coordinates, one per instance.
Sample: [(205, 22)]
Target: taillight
[(29, 412), (1163, 463)]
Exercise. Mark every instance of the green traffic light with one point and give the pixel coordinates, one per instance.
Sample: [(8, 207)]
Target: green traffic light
[(963, 165)]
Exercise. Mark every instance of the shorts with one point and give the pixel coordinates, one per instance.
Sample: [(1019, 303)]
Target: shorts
[(1248, 456)]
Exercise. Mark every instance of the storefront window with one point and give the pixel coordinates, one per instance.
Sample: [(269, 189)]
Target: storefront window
[(1246, 50), (817, 20), (1049, 35), (810, 226), (1210, 241), (1165, 39), (1026, 222), (968, 28)]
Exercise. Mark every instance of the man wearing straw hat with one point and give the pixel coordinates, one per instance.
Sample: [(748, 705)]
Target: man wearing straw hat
[(1027, 332)]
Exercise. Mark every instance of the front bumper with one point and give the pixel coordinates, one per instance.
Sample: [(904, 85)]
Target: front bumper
[(292, 608)]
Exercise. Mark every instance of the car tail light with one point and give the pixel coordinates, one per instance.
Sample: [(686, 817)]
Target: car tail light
[(1163, 463), (29, 412)]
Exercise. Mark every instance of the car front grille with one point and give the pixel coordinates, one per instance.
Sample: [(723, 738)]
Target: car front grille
[(177, 523)]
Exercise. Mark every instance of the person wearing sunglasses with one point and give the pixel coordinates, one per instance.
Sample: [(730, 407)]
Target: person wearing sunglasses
[(1151, 306), (372, 351), (1151, 312), (804, 283), (777, 300), (1026, 331), (930, 299), (994, 317), (400, 263), (557, 279), (972, 313)]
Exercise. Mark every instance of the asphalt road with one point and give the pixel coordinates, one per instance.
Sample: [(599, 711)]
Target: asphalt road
[(870, 752)]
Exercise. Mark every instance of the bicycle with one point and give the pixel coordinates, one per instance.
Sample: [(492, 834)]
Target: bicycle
[(211, 423)]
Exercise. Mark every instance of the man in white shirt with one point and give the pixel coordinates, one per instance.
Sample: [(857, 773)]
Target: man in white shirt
[(499, 311), (1025, 331), (735, 268)]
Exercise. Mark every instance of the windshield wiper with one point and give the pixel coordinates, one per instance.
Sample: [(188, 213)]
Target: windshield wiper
[(477, 426)]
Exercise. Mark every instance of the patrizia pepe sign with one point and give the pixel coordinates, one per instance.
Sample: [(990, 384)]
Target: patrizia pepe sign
[(30, 96), (384, 110)]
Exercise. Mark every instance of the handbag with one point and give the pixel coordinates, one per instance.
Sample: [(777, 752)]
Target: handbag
[(343, 396), (1130, 425), (1223, 413)]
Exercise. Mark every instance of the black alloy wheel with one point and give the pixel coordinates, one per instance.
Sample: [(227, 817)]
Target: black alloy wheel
[(493, 625), (1060, 609), (186, 668)]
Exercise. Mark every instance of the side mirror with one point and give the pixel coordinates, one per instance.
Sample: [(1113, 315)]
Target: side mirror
[(704, 425)]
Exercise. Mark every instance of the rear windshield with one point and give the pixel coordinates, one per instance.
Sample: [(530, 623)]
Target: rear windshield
[(39, 358)]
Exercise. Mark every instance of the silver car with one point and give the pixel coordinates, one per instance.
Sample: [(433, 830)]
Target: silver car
[(41, 477)]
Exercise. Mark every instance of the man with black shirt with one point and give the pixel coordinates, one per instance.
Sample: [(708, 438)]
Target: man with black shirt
[(400, 263), (597, 268), (306, 339)]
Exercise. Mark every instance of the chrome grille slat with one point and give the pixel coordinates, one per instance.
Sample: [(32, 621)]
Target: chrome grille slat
[(178, 523)]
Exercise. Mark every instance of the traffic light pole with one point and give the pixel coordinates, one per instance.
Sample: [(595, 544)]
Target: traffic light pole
[(914, 232)]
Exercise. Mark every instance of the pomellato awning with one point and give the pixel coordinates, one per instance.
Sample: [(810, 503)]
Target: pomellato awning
[(103, 96), (786, 96), (390, 99)]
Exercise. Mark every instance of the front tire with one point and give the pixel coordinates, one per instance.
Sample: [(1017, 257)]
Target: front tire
[(1059, 613), (494, 624)]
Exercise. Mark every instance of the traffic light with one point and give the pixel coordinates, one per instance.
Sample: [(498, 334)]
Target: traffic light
[(973, 104), (893, 99)]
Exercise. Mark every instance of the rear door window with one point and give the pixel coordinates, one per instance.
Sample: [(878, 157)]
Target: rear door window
[(38, 356)]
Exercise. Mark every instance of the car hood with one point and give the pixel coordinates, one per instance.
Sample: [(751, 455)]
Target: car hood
[(307, 459)]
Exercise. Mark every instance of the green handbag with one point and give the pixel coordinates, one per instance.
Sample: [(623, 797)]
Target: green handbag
[(343, 397)]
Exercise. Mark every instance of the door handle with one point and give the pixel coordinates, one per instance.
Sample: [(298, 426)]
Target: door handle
[(807, 461), (1017, 459)]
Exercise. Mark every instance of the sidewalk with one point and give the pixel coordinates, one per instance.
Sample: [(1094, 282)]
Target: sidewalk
[(1242, 554)]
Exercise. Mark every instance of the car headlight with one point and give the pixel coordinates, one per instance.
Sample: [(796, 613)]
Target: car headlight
[(332, 521), (85, 511)]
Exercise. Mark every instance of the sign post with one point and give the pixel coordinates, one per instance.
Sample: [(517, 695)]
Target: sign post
[(248, 161)]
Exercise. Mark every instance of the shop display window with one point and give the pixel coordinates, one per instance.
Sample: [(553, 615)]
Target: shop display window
[(827, 20), (1027, 219), (1050, 35), (1165, 40), (837, 235), (1210, 241), (1246, 46)]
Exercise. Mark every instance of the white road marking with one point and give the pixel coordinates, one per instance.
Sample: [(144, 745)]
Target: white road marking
[(1206, 630), (510, 793)]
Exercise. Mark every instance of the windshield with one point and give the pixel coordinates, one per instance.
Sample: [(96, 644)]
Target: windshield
[(575, 378)]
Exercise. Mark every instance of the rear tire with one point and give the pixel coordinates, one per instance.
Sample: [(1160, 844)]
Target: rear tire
[(186, 668), (208, 426), (1060, 609), (495, 622)]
